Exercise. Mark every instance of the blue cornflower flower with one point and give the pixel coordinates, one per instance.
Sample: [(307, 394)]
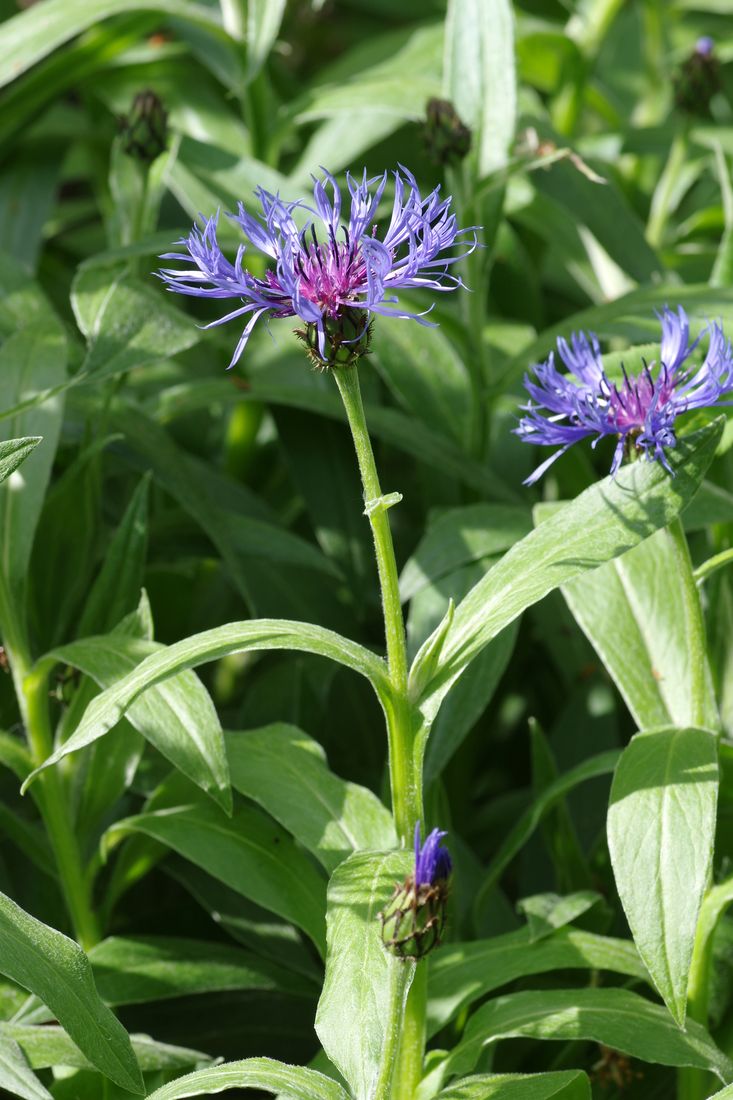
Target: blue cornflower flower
[(641, 411), (323, 272), (432, 861)]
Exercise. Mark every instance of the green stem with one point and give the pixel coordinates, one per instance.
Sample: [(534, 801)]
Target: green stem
[(412, 1044), (406, 800), (694, 629), (399, 986), (713, 564), (32, 694)]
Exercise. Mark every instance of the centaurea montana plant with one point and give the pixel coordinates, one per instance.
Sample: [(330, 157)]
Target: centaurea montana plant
[(332, 274), (640, 411)]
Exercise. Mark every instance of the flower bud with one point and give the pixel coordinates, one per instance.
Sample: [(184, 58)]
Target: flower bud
[(446, 137), (342, 342), (144, 129), (414, 918), (698, 79)]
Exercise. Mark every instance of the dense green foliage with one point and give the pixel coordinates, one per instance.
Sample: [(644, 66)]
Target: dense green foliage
[(201, 811)]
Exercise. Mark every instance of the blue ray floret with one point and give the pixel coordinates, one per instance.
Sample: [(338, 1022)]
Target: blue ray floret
[(433, 863), (331, 265), (640, 411)]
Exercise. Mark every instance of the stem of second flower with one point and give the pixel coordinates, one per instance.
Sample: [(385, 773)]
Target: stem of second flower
[(406, 793)]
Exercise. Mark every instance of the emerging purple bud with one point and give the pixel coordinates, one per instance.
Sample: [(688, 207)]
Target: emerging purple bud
[(145, 128), (698, 79), (704, 46), (447, 138), (414, 919)]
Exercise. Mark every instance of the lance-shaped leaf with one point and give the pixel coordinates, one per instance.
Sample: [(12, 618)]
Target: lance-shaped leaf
[(661, 828), (16, 1076), (605, 521), (362, 979), (615, 1017), (177, 716), (256, 634), (56, 969), (286, 771), (14, 451), (295, 1082), (570, 1084)]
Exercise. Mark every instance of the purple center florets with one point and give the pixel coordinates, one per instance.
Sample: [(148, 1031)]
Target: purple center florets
[(432, 861), (641, 410), (320, 274)]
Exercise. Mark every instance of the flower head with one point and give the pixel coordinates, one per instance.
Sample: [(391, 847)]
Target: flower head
[(334, 270), (640, 411), (413, 920)]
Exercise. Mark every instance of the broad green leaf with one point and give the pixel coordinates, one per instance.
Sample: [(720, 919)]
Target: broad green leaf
[(570, 1084), (32, 35), (461, 973), (106, 710), (247, 851), (56, 969), (296, 1082), (125, 323), (286, 771), (724, 1094), (458, 536), (603, 764), (177, 716), (32, 360), (15, 1074), (603, 522), (13, 452), (47, 1045), (362, 978), (479, 75), (138, 969), (547, 912), (28, 186), (661, 828), (639, 613), (615, 1017)]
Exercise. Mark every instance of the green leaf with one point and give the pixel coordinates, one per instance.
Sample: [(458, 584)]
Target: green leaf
[(139, 969), (286, 771), (362, 978), (13, 452), (461, 973), (56, 969), (603, 522), (615, 1017), (176, 716), (116, 589), (479, 75), (15, 1074), (31, 361), (458, 536), (126, 323), (570, 1084), (47, 1045), (636, 613), (32, 35), (297, 1082), (247, 851), (547, 912), (106, 710), (602, 764), (661, 828), (263, 23)]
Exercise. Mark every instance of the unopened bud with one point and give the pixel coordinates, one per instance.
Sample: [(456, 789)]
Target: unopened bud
[(446, 136), (698, 79), (413, 920), (341, 342), (145, 128)]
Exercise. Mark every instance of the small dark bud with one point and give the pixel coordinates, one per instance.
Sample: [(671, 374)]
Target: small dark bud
[(446, 137), (145, 128), (414, 919), (698, 79), (345, 340)]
